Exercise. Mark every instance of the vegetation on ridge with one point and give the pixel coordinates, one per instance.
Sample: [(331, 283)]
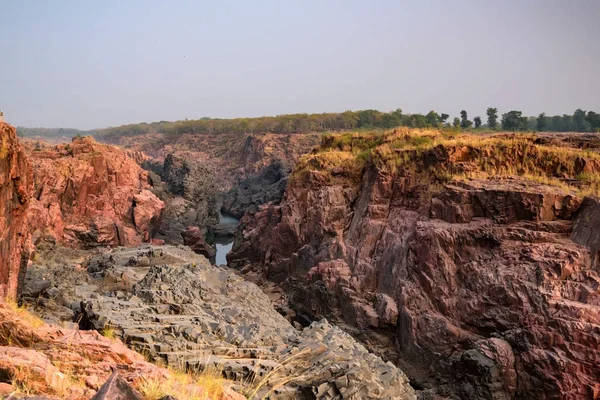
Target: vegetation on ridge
[(446, 155), (579, 121)]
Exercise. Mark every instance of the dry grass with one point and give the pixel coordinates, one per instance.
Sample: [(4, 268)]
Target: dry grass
[(109, 332), (21, 379), (421, 152), (278, 376), (24, 314), (207, 384)]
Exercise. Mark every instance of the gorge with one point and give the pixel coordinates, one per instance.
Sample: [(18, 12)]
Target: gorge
[(390, 264)]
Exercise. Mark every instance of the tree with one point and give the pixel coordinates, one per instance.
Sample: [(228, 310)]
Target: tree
[(514, 121), (593, 119), (541, 122), (444, 117), (579, 120), (464, 120), (477, 121), (492, 117), (456, 122), (433, 118)]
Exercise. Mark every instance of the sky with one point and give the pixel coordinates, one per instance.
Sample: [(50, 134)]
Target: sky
[(85, 65)]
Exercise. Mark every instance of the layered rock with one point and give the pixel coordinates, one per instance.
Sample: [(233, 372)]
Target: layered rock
[(88, 194), (16, 184), (174, 306), (476, 281)]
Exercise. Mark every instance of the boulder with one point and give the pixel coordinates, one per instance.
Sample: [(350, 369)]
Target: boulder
[(117, 388), (194, 238)]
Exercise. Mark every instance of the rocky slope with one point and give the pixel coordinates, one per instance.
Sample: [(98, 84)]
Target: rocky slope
[(89, 194), (63, 363), (16, 184), (457, 257), (172, 305)]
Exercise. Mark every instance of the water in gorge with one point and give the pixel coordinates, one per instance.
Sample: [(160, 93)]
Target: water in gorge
[(223, 245)]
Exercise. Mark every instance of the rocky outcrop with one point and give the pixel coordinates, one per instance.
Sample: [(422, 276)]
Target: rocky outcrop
[(188, 191), (89, 194), (173, 306), (266, 186), (16, 184), (476, 282)]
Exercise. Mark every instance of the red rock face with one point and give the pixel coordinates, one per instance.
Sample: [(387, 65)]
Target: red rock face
[(89, 194), (479, 284), (16, 184)]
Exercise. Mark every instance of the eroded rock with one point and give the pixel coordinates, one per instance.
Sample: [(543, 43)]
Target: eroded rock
[(16, 184), (89, 194), (477, 283), (183, 310)]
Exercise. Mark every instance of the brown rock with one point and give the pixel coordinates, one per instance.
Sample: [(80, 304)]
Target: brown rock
[(147, 210), (586, 230), (116, 388), (16, 185), (194, 238)]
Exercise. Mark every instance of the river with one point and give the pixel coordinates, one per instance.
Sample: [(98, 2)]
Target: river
[(223, 244)]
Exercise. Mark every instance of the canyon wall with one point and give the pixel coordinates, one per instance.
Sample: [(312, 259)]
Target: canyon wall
[(482, 286), (89, 194), (230, 157), (16, 184)]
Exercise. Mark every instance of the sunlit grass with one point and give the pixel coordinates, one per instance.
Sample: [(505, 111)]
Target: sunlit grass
[(24, 314), (438, 155)]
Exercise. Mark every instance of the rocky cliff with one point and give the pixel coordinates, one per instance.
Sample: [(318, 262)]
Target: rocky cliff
[(266, 186), (454, 256), (88, 194), (16, 184), (230, 157)]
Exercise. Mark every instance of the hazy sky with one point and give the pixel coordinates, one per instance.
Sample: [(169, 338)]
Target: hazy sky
[(89, 64)]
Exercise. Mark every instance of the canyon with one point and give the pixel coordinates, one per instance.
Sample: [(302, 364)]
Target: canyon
[(395, 264)]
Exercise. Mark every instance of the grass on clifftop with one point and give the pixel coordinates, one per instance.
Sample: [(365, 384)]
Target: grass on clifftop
[(444, 155)]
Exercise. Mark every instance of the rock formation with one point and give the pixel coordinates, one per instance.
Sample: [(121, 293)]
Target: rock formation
[(188, 190), (266, 186), (172, 305), (89, 194), (71, 364), (230, 157), (457, 251), (16, 184)]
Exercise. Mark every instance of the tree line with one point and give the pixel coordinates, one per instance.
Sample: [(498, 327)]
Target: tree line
[(580, 121)]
